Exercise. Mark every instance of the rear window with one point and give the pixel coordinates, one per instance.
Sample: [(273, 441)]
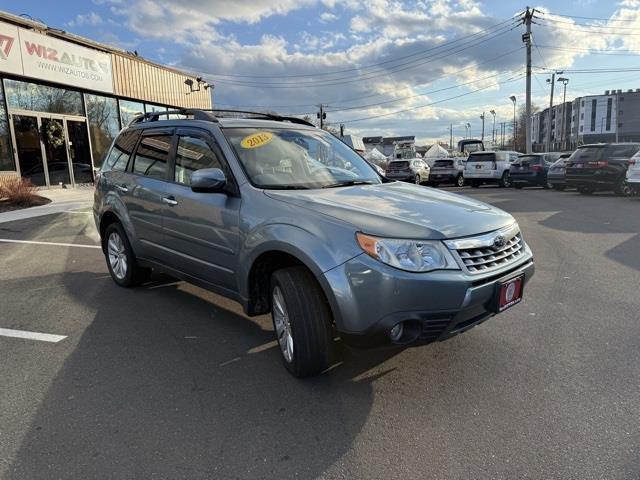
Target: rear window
[(587, 154), (627, 151), (398, 164), (443, 163), (530, 159), (482, 157)]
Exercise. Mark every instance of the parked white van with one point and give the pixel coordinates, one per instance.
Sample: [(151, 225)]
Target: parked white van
[(489, 167)]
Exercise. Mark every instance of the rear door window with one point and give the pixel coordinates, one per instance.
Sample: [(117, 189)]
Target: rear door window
[(152, 156)]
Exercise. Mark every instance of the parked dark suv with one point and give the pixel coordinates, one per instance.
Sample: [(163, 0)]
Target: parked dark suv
[(600, 167), (530, 170), (286, 219)]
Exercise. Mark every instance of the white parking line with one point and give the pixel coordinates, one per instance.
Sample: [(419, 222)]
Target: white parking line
[(56, 244), (43, 337)]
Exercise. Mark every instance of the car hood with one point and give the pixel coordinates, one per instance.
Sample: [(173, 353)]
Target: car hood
[(400, 210)]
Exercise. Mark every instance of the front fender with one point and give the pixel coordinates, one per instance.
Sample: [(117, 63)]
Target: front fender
[(312, 248)]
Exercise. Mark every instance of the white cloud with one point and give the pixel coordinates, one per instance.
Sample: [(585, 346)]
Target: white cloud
[(327, 17), (91, 18)]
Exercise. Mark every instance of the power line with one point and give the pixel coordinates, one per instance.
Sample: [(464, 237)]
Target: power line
[(353, 99), (613, 52), (589, 30), (424, 93), (431, 103), (366, 76), (589, 18), (556, 20), (364, 67), (594, 70)]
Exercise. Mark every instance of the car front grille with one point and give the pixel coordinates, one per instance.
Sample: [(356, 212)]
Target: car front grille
[(478, 260), (489, 252)]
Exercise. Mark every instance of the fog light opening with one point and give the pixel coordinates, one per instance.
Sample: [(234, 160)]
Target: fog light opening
[(395, 334)]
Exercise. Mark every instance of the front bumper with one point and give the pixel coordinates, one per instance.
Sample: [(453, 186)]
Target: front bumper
[(368, 298)]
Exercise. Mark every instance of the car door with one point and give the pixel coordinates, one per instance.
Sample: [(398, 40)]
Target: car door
[(201, 230), (146, 189)]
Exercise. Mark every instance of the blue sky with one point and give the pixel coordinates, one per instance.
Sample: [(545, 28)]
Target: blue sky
[(384, 67)]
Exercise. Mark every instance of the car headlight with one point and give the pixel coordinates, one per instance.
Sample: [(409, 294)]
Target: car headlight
[(410, 255)]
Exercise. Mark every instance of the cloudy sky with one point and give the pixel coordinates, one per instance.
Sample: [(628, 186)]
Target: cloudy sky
[(382, 67)]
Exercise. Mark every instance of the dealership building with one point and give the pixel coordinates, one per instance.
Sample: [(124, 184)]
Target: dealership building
[(63, 99)]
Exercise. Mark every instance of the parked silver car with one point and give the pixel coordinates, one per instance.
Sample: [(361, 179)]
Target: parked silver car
[(448, 170), (256, 210), (408, 169)]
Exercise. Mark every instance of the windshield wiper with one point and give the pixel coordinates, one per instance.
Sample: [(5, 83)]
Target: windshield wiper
[(348, 183), (284, 187)]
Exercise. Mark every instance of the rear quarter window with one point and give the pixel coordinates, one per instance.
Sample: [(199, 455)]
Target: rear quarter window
[(622, 150)]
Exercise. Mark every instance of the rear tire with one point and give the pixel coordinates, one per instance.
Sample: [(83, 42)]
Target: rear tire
[(505, 181), (302, 321), (460, 181), (121, 261), (623, 188), (418, 180)]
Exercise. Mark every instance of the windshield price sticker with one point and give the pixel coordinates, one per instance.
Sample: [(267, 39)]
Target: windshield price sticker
[(256, 140)]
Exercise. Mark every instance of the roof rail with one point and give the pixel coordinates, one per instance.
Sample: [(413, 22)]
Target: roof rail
[(212, 115)]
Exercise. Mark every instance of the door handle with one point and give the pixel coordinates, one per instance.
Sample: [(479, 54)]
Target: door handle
[(169, 201), (122, 188)]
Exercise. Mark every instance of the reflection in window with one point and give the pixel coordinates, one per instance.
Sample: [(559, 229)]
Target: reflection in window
[(42, 98), (6, 152), (104, 125), (193, 154), (152, 156), (128, 110), (118, 157)]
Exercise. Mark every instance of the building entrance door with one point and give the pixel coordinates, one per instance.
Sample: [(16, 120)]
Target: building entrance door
[(52, 150)]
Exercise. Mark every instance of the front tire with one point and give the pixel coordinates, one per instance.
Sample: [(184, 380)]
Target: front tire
[(623, 188), (505, 181), (121, 261), (302, 321)]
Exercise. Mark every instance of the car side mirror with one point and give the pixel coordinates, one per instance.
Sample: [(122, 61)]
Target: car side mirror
[(208, 180)]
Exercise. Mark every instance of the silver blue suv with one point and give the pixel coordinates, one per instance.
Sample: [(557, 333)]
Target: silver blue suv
[(286, 219)]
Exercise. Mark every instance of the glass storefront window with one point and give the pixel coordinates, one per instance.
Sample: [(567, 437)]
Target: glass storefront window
[(7, 162), (150, 107), (128, 110), (104, 124), (42, 98)]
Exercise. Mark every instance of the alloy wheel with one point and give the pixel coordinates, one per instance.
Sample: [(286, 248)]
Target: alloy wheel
[(418, 179), (460, 181), (282, 324), (117, 255)]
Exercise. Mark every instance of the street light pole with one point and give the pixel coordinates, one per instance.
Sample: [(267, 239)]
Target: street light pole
[(482, 118), (493, 132), (564, 82), (515, 131)]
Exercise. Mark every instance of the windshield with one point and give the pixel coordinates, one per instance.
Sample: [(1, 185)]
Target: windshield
[(297, 159)]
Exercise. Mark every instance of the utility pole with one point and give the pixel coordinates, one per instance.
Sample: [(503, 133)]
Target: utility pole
[(564, 82), (322, 115), (493, 131), (526, 38), (553, 82), (451, 136), (482, 118)]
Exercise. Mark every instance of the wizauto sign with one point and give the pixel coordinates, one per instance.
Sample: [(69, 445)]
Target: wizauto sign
[(31, 54)]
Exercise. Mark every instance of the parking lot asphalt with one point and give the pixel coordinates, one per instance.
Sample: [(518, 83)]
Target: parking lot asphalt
[(171, 381)]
